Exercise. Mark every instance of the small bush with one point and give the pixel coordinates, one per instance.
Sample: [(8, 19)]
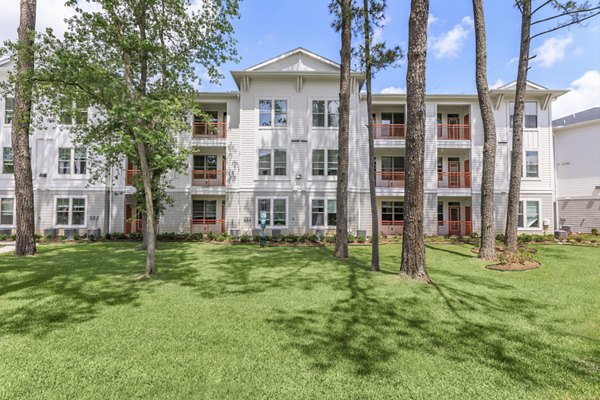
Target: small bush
[(595, 231), (351, 238), (525, 238), (244, 238), (474, 235), (362, 239), (578, 239), (593, 241), (500, 237), (3, 236), (76, 236), (91, 238), (330, 239), (13, 237), (221, 237), (48, 237), (37, 237), (107, 236), (210, 236)]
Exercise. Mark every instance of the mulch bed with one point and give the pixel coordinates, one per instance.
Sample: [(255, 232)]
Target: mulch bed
[(527, 265)]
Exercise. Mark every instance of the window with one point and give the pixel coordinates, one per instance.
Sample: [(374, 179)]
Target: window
[(531, 164), (321, 216), (70, 211), (321, 159), (8, 166), (272, 162), (64, 160), (80, 161), (529, 214), (71, 113), (440, 212), (276, 210), (272, 112), (392, 118), (325, 116), (205, 210), (203, 165), (392, 211), (530, 117), (6, 211), (392, 168), (9, 105), (440, 168)]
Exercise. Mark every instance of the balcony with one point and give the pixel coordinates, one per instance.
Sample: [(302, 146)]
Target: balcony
[(208, 178), (389, 179), (387, 228), (129, 174), (454, 132), (389, 131), (208, 225), (133, 226), (209, 130), (454, 180), (454, 228)]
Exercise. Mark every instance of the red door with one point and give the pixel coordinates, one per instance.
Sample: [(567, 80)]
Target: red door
[(453, 174), (454, 220), (467, 127), (133, 220), (467, 220), (467, 174)]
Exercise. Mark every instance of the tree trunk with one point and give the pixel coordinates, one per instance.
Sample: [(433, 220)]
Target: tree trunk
[(341, 240), (516, 161), (146, 235), (25, 214), (413, 243), (150, 232), (372, 190), (487, 248)]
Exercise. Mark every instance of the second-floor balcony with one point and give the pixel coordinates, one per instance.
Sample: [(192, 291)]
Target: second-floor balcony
[(454, 180), (389, 179), (453, 132), (389, 131), (209, 130), (130, 174), (208, 178)]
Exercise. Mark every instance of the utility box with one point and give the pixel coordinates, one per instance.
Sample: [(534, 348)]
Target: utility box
[(53, 232), (235, 233), (94, 232), (560, 235), (70, 233), (361, 232)]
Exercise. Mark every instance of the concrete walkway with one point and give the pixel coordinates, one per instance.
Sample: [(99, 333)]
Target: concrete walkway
[(9, 247)]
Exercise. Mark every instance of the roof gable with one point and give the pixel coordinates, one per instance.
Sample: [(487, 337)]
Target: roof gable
[(529, 86), (297, 60)]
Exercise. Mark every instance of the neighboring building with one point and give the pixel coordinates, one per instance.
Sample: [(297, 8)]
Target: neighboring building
[(577, 142), (272, 146)]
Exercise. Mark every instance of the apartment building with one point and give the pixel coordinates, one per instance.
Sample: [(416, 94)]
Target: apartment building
[(577, 141), (272, 146)]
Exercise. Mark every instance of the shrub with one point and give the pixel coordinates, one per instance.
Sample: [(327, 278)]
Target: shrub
[(221, 237), (525, 238), (244, 238), (351, 238), (13, 237), (48, 237), (500, 237), (595, 231), (210, 236), (593, 241), (91, 238), (37, 237), (330, 239), (578, 239), (362, 239), (474, 235), (76, 236), (3, 236), (107, 236)]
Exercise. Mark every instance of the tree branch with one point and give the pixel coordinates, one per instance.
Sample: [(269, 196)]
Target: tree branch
[(563, 14), (564, 25), (541, 6)]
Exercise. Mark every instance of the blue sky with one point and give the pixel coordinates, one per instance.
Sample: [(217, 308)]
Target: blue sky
[(566, 59)]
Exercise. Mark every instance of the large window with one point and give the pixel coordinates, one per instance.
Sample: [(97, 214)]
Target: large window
[(272, 162), (323, 212), (529, 214), (9, 105), (392, 118), (72, 114), (392, 211), (8, 166), (272, 113), (7, 206), (276, 210), (392, 168), (70, 211), (204, 165), (325, 113), (531, 164), (530, 118), (72, 161), (205, 210), (324, 162)]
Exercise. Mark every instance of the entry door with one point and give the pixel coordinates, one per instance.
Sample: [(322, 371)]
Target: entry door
[(467, 220), (223, 216), (467, 127), (453, 126), (454, 174), (467, 173), (454, 220), (133, 220)]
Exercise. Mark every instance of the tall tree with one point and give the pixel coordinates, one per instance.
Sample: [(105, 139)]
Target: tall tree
[(341, 240), (413, 242), (487, 248), (373, 57), (141, 83), (25, 215), (569, 13)]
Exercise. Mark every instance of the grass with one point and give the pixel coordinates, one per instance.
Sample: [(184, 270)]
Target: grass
[(292, 323)]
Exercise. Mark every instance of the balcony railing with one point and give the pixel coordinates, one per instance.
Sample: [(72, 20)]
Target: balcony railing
[(388, 227), (389, 131), (454, 132), (208, 225), (454, 228), (454, 180), (133, 226), (208, 178), (129, 174), (389, 179), (209, 130)]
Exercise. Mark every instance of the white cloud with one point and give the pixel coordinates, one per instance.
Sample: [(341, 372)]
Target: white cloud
[(449, 44), (512, 61), (552, 50), (499, 82), (393, 90), (584, 94), (432, 19), (50, 14), (378, 31)]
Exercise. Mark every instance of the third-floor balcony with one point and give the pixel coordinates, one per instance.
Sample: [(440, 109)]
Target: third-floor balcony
[(389, 179), (454, 180), (208, 177), (209, 130), (389, 131)]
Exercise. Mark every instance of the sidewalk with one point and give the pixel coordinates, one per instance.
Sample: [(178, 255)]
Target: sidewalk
[(9, 247)]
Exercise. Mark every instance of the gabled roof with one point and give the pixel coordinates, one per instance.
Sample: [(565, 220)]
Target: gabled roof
[(298, 59), (530, 86), (591, 114)]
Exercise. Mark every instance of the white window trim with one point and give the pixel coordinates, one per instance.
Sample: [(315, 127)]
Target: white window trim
[(325, 177), (14, 224), (3, 117), (541, 220), (72, 174), (325, 225), (524, 176), (273, 126), (6, 174), (326, 127), (536, 129), (272, 175), (71, 226), (271, 198)]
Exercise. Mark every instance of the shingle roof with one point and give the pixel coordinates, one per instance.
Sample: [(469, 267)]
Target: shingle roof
[(577, 118)]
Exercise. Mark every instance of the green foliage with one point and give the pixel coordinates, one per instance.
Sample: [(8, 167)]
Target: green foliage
[(3, 237), (500, 237), (76, 236), (351, 238), (595, 231), (361, 239), (245, 238)]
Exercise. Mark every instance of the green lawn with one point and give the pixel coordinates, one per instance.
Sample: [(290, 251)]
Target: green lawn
[(225, 322)]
